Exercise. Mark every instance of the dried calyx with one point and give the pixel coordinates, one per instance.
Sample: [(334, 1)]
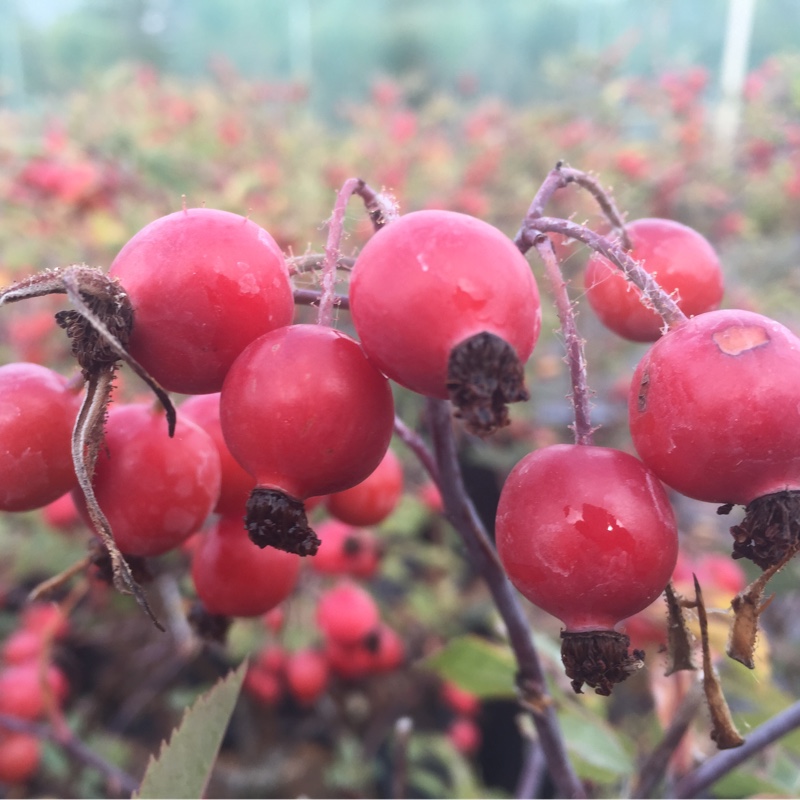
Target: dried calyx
[(274, 519), (770, 529), (599, 659), (484, 374)]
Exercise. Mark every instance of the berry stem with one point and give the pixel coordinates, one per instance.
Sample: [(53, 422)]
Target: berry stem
[(461, 513), (582, 427), (381, 211), (652, 294), (560, 177)]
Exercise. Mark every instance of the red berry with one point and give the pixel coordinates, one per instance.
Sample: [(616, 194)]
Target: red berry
[(203, 283), (237, 483), (372, 500), (235, 578), (47, 619), (20, 754), (156, 491), (266, 687), (345, 550), (587, 534), (430, 282), (460, 700), (23, 645), (389, 650), (306, 414), (681, 260), (37, 414), (23, 689), (306, 675), (465, 735), (62, 514), (713, 405), (347, 613)]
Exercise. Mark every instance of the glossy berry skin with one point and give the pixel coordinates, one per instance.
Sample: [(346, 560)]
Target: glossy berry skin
[(684, 264), (372, 500), (203, 283), (713, 407), (37, 414), (428, 281), (236, 483), (234, 578), (156, 491), (305, 412), (586, 533)]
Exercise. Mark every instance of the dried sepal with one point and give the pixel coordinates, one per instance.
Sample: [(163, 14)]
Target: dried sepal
[(98, 326), (680, 644), (747, 607), (723, 729)]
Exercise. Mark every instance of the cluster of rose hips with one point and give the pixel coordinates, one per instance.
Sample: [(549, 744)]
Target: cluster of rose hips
[(201, 303)]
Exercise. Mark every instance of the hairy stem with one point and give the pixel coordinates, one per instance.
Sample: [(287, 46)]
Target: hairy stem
[(582, 427), (562, 176), (461, 513), (653, 295), (696, 782), (308, 297), (381, 211)]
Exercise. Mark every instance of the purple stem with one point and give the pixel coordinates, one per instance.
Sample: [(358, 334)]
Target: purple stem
[(576, 359), (333, 250), (461, 513), (381, 211), (652, 293), (695, 783)]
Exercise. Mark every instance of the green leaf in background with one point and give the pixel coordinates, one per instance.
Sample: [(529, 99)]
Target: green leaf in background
[(597, 748), (183, 765), (477, 665)]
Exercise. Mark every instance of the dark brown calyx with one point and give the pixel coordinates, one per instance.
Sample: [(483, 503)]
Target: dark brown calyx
[(94, 349), (770, 529), (599, 659), (484, 374), (274, 519)]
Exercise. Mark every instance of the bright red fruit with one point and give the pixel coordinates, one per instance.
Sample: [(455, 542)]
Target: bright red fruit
[(37, 414), (713, 407), (305, 413), (347, 613), (713, 412), (439, 298), (237, 483), (465, 735), (235, 579), (682, 261), (372, 500), (587, 534), (346, 550), (306, 674), (24, 687), (203, 283), (19, 756), (156, 491)]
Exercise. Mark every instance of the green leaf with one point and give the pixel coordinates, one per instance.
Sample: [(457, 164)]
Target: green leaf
[(183, 765), (477, 665), (595, 745)]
